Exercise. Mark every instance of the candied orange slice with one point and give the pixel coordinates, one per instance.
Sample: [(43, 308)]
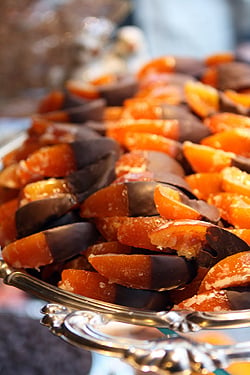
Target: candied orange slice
[(52, 161), (166, 128), (148, 141), (104, 79), (236, 181), (205, 158), (7, 222), (51, 102), (170, 206), (29, 252), (133, 271), (204, 184), (88, 284), (109, 201), (219, 58), (210, 77), (231, 271), (56, 116), (164, 64), (185, 236), (234, 208), (22, 152), (203, 99), (42, 189), (131, 162), (134, 231), (154, 272), (146, 108), (112, 113), (238, 98), (108, 226), (227, 121), (9, 177), (234, 140), (83, 89), (209, 301)]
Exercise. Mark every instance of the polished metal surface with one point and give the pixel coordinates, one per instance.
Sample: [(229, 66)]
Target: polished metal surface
[(175, 355)]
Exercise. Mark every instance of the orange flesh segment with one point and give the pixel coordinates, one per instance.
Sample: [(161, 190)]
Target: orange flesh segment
[(131, 162), (204, 184), (165, 64), (7, 222), (52, 161), (236, 181), (218, 58), (88, 284), (184, 236), (29, 252), (108, 226), (238, 98), (233, 140), (169, 205), (109, 201), (153, 142), (134, 231), (227, 121), (206, 159), (233, 207), (233, 270), (52, 102), (144, 109), (203, 99), (43, 189), (166, 128), (82, 89), (133, 271)]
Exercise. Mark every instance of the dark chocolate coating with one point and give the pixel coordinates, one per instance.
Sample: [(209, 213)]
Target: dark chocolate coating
[(220, 243), (145, 299), (69, 218), (93, 177), (159, 163), (207, 211), (92, 110), (99, 127), (189, 65), (84, 132), (90, 151), (69, 240), (116, 93), (71, 100), (141, 198), (227, 105), (170, 271), (190, 126), (241, 162), (34, 216), (239, 298), (179, 183), (233, 76)]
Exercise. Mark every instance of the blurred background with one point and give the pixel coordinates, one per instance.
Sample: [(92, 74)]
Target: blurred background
[(44, 42)]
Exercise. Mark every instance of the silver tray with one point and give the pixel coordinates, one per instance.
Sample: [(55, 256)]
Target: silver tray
[(81, 322)]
